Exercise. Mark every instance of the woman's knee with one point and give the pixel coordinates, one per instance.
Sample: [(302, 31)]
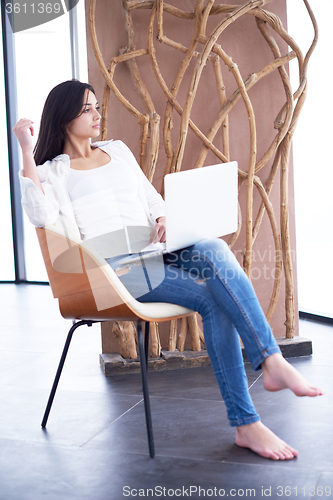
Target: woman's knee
[(214, 249), (217, 253)]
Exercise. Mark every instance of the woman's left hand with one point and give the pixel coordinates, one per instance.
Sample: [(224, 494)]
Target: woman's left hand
[(159, 233)]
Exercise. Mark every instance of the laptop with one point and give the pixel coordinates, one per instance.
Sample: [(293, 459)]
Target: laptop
[(200, 203)]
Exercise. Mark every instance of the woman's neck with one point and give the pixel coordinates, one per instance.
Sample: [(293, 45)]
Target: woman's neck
[(76, 148)]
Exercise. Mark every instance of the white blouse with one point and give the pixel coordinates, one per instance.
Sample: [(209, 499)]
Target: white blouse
[(56, 207), (105, 200)]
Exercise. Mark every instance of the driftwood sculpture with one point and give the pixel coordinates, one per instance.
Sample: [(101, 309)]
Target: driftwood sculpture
[(205, 49)]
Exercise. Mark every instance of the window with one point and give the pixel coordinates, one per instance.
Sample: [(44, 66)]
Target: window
[(7, 271), (43, 58), (313, 162)]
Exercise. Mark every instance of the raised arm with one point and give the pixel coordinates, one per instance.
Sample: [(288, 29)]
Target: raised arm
[(24, 130)]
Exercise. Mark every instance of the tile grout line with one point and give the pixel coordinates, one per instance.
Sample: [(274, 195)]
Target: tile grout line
[(112, 422), (256, 380)]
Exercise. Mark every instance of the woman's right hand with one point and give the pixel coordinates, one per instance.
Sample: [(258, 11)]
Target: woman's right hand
[(24, 130)]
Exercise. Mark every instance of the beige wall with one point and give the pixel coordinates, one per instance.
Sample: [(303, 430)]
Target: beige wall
[(244, 43)]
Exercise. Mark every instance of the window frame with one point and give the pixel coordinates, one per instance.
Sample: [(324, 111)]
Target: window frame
[(12, 145)]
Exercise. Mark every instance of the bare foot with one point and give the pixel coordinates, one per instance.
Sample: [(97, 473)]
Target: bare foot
[(261, 440), (278, 374)]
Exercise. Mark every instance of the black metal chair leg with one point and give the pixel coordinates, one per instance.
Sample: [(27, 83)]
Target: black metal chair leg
[(146, 342), (143, 367), (60, 367)]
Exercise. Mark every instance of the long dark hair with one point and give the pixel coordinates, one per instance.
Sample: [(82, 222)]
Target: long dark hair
[(63, 104)]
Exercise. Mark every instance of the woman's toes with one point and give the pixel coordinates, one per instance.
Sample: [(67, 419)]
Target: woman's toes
[(263, 441)]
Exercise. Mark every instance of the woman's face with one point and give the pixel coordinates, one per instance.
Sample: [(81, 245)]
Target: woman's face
[(87, 124)]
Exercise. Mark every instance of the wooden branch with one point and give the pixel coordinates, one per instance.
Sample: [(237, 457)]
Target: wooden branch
[(205, 16), (102, 66), (252, 158), (182, 335), (180, 14), (172, 335), (148, 4), (132, 54), (185, 117), (284, 123), (223, 98), (159, 12), (155, 341), (284, 218), (236, 96), (278, 250), (314, 42), (169, 95), (144, 130), (105, 113), (174, 90), (268, 188), (283, 126), (180, 47), (194, 332), (154, 119), (126, 334)]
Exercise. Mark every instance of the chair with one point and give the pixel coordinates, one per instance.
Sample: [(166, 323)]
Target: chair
[(89, 291)]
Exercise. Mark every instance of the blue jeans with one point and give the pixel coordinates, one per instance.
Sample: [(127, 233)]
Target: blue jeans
[(207, 278)]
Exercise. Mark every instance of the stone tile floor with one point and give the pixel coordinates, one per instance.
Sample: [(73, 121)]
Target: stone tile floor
[(95, 445)]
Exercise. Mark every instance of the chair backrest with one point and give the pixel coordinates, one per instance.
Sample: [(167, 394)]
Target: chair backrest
[(83, 282), (87, 287)]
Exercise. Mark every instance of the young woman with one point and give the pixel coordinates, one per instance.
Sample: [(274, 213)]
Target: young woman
[(97, 189)]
